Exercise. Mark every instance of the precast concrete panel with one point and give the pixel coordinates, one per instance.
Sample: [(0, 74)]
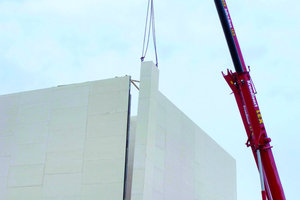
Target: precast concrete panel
[(174, 158), (65, 143), (130, 160)]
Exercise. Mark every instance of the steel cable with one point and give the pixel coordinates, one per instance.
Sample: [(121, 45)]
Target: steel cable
[(149, 26)]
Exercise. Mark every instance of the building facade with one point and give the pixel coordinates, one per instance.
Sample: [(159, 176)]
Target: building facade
[(80, 142)]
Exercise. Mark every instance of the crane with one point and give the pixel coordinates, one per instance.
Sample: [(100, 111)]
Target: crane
[(244, 91)]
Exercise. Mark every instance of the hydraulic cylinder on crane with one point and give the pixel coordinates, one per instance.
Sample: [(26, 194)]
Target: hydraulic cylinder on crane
[(244, 91)]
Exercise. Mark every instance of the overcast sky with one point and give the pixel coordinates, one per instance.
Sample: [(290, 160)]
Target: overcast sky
[(44, 43)]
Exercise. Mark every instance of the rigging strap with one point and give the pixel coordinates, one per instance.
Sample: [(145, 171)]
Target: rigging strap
[(149, 27)]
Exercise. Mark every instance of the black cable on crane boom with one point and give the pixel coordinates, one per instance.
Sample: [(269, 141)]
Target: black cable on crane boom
[(149, 26)]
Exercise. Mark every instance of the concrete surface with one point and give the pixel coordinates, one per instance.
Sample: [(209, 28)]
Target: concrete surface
[(69, 143), (65, 143), (174, 158)]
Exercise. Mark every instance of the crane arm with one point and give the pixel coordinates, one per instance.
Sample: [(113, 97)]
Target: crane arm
[(244, 91)]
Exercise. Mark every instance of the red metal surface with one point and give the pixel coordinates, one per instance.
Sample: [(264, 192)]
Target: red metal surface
[(243, 90), (242, 86), (264, 195)]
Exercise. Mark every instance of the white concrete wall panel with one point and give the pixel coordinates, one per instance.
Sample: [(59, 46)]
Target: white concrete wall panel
[(65, 143), (174, 158), (130, 159), (25, 175), (32, 193)]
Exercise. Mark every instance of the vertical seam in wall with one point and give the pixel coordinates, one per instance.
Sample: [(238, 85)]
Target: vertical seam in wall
[(85, 136), (127, 140), (50, 111)]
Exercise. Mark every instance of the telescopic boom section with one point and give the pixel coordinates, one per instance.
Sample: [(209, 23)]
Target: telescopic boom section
[(242, 86), (231, 37)]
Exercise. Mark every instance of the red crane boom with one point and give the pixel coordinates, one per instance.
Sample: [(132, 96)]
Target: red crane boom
[(244, 91)]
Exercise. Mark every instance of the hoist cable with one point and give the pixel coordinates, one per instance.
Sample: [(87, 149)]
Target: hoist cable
[(149, 33), (149, 27), (145, 31), (154, 34)]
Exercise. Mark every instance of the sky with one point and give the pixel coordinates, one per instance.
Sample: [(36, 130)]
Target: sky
[(45, 43)]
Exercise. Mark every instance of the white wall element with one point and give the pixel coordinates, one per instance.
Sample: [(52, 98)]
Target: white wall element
[(66, 142), (173, 158), (69, 143), (130, 160)]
